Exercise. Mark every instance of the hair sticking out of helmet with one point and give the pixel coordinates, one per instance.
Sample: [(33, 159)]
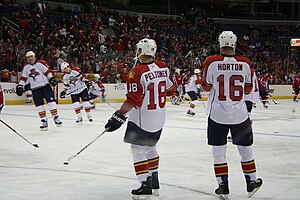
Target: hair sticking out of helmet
[(197, 71), (64, 66), (145, 47), (227, 39), (29, 53)]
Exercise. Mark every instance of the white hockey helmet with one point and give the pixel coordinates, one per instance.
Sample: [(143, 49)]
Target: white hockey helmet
[(177, 70), (197, 71), (29, 53), (145, 47), (227, 39), (96, 76), (64, 66)]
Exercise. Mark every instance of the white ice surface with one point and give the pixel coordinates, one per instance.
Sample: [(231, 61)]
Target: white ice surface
[(104, 171)]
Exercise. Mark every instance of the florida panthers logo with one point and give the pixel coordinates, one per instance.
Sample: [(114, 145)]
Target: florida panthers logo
[(33, 73), (72, 80)]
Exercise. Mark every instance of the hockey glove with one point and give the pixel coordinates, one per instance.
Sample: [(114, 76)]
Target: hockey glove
[(115, 122), (19, 90), (53, 81), (62, 94)]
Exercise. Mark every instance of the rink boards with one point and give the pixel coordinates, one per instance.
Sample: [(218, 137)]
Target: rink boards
[(117, 93)]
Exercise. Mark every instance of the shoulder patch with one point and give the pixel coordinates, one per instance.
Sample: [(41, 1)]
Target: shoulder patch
[(131, 74)]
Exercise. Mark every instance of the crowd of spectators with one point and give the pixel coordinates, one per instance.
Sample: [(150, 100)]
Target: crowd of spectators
[(103, 41)]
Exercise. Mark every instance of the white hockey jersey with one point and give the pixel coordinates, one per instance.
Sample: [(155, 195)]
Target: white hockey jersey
[(254, 94), (147, 87), (192, 83), (73, 82), (97, 88), (229, 79), (37, 74)]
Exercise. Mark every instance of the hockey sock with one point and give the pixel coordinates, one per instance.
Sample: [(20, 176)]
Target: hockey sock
[(153, 159), (247, 161), (28, 95), (141, 165), (77, 109), (41, 111), (52, 107), (220, 163), (86, 106)]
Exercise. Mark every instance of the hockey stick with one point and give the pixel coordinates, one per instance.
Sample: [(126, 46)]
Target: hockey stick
[(273, 99), (33, 144), (81, 150)]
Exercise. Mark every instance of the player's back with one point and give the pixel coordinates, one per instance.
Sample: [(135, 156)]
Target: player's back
[(149, 83), (228, 76)]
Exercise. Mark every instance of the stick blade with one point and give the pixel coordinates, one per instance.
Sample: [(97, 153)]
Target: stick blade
[(36, 145), (66, 162)]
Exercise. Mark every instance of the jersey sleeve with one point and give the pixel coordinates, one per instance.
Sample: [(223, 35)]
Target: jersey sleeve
[(248, 81), (24, 76), (135, 91), (207, 80), (45, 68), (101, 86)]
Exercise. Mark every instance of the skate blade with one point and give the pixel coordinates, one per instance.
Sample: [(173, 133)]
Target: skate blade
[(141, 197), (188, 115), (250, 194), (44, 129), (224, 196), (79, 123), (155, 192), (59, 125)]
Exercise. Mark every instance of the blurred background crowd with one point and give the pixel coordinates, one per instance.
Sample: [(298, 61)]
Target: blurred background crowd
[(103, 40)]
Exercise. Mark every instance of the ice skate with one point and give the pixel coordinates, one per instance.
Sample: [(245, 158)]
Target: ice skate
[(229, 139), (89, 116), (144, 191), (223, 190), (44, 126), (79, 121), (190, 113), (93, 106), (57, 121), (253, 185), (155, 184)]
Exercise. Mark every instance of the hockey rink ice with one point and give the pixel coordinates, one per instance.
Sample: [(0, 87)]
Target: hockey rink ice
[(104, 171)]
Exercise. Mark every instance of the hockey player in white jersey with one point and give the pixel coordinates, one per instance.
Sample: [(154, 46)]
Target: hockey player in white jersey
[(191, 89), (74, 85), (253, 97), (96, 89), (148, 84), (39, 76), (228, 77)]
